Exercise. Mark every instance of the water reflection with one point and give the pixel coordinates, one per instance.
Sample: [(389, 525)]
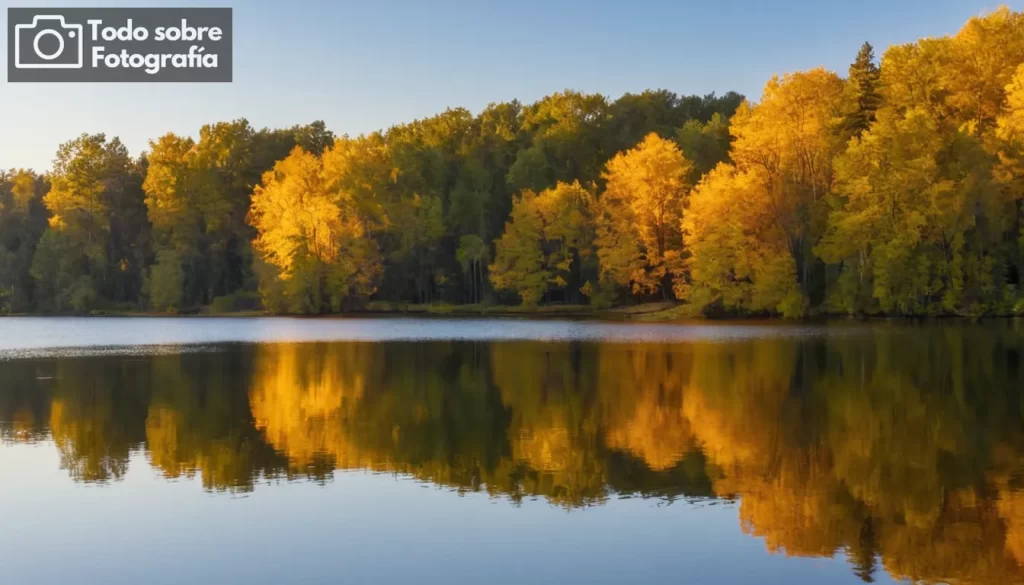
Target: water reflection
[(902, 448)]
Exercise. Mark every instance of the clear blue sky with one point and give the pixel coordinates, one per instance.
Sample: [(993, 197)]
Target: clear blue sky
[(361, 66)]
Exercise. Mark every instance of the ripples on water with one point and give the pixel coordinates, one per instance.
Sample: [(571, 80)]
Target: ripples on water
[(894, 451)]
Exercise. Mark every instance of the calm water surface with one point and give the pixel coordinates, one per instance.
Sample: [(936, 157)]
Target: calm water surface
[(202, 451)]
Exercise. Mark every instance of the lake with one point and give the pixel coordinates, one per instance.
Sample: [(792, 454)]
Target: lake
[(274, 450)]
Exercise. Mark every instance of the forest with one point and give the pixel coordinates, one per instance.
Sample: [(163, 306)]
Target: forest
[(895, 190)]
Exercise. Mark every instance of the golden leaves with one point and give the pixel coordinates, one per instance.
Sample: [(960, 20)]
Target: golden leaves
[(638, 230), (308, 224)]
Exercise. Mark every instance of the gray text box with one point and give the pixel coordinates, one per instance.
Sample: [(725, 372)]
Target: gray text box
[(97, 44)]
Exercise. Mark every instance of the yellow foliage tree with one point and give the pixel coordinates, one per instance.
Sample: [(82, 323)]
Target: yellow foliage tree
[(750, 227), (740, 255), (311, 239), (791, 136), (549, 232), (638, 233), (960, 79), (1011, 121)]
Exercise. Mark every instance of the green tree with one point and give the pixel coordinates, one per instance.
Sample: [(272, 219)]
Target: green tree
[(174, 189), (706, 144), (472, 256), (565, 130), (96, 205), (56, 268), (892, 190), (166, 281), (22, 222)]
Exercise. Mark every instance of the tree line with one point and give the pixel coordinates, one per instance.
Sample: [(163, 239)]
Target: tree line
[(895, 190)]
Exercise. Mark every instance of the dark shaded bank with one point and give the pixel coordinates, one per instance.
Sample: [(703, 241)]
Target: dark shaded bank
[(647, 312)]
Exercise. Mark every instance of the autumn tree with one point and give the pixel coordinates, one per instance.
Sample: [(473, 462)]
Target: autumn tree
[(782, 149), (739, 253), (546, 241), (1010, 130), (1010, 170), (974, 67), (197, 194), (311, 237), (639, 239)]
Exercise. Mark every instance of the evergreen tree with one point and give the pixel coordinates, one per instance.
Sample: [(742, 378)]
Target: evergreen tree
[(863, 91)]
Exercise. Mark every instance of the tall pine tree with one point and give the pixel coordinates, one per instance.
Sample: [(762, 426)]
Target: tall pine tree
[(863, 91)]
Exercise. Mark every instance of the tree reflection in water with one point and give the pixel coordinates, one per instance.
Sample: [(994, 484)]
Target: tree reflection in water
[(902, 448)]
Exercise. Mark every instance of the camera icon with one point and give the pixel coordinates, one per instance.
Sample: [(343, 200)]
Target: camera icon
[(48, 43)]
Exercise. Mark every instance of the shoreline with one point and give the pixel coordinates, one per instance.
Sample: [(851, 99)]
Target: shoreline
[(664, 312)]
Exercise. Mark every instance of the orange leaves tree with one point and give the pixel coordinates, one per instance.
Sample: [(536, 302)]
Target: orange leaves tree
[(751, 226), (639, 239), (311, 240)]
